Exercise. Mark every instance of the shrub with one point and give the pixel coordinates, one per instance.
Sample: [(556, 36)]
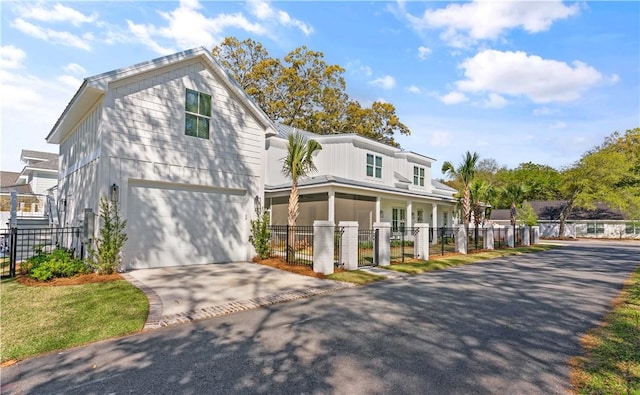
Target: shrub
[(260, 235), (105, 258), (59, 263)]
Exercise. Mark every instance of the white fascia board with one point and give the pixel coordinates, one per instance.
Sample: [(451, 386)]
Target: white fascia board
[(84, 99)]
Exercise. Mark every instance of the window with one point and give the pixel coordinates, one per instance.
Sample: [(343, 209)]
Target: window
[(420, 216), (418, 176), (197, 114), (374, 166), (595, 228), (398, 218), (632, 228)]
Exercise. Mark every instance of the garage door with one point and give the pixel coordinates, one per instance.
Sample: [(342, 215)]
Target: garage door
[(176, 224)]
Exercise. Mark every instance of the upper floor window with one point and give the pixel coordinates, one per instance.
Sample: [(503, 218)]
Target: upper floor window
[(418, 176), (197, 114), (374, 166)]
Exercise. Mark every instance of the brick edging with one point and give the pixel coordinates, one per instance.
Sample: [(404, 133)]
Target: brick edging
[(155, 303)]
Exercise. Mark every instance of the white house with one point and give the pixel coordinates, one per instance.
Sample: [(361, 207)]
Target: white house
[(182, 147), (358, 179), (40, 171)]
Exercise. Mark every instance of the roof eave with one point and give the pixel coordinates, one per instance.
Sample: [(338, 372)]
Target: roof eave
[(86, 96)]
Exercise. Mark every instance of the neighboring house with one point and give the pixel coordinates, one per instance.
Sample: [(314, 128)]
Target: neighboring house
[(180, 145), (358, 179), (602, 221), (40, 171)]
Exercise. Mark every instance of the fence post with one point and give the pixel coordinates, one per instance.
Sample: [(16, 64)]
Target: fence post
[(488, 237), (535, 235), (288, 249), (461, 239), (13, 252), (421, 242), (323, 244), (349, 247), (384, 243), (510, 236), (526, 235)]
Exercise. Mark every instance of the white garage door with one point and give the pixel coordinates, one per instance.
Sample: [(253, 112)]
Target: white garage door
[(175, 225)]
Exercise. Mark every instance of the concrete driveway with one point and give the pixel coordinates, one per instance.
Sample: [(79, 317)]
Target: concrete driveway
[(186, 293)]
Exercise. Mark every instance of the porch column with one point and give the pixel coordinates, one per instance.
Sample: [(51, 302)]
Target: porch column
[(409, 214), (434, 223), (378, 205), (331, 215)]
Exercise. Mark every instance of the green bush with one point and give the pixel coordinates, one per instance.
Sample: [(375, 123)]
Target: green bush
[(260, 235), (105, 257), (59, 263)]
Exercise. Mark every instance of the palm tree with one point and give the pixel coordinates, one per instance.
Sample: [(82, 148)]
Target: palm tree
[(514, 194), (463, 173), (298, 163)]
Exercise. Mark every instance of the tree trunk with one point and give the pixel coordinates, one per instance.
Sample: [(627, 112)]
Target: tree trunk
[(514, 214), (466, 208), (291, 221)]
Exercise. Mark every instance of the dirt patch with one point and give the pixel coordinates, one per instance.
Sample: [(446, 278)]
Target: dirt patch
[(75, 280), (304, 270)]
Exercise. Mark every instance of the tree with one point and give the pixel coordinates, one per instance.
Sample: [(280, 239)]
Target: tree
[(514, 193), (304, 91), (481, 194), (527, 215), (298, 163), (464, 173), (105, 258)]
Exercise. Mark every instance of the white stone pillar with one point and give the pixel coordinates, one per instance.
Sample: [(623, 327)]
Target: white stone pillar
[(378, 209), (383, 252), (421, 242), (434, 223), (510, 236), (409, 223), (323, 246), (488, 237), (526, 235), (331, 214), (349, 244), (536, 234), (461, 239)]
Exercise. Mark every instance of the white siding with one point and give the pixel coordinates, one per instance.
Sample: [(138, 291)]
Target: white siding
[(43, 181)]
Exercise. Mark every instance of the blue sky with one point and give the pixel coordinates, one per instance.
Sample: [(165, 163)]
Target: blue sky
[(515, 81)]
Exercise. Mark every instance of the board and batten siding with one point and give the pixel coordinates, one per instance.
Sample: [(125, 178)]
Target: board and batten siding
[(43, 181)]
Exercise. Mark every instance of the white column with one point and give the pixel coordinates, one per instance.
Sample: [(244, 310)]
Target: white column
[(349, 245), (488, 237), (378, 207), (421, 244), (409, 223), (461, 239), (434, 223), (331, 215), (384, 243), (323, 244)]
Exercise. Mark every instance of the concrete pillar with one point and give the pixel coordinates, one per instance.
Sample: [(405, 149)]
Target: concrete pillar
[(461, 239), (536, 234), (434, 223), (510, 236), (331, 214), (526, 235), (349, 245), (421, 242), (323, 246), (378, 209), (409, 214), (488, 237), (384, 243)]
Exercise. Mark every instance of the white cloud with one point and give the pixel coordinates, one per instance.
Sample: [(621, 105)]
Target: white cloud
[(70, 81), (263, 11), (356, 67), (57, 13), (75, 68), (558, 125), (11, 57), (467, 23), (453, 98), (386, 82), (423, 52), (53, 36), (441, 139), (414, 89), (495, 101), (519, 74)]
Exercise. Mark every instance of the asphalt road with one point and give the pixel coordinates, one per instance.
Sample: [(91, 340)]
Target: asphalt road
[(506, 326)]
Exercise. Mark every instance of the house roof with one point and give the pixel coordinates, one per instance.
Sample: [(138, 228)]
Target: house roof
[(328, 179), (41, 156), (549, 210), (93, 88), (283, 131), (9, 182)]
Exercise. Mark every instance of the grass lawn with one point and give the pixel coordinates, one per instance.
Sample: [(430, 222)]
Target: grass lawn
[(611, 364), (38, 319), (355, 276), (438, 263)]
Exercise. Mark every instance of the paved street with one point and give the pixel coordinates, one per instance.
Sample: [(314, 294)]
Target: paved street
[(503, 327)]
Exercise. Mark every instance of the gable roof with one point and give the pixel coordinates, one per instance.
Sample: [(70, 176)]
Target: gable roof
[(38, 155), (9, 182), (549, 210), (39, 160), (93, 88)]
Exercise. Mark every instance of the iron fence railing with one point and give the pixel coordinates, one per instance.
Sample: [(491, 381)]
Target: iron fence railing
[(293, 244), (402, 244), (445, 241), (367, 247)]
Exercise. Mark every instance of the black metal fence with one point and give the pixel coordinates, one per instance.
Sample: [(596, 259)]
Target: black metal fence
[(17, 245), (445, 241), (367, 247), (476, 238), (402, 244), (499, 237), (293, 244)]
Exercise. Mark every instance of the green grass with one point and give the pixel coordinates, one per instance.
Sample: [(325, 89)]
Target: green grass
[(356, 277), (41, 319), (443, 263), (612, 361)]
